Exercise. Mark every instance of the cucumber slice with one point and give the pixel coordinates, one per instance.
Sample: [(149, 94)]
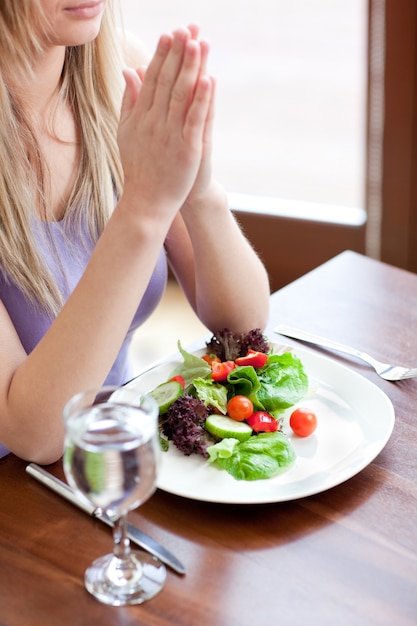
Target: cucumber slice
[(222, 427), (95, 469), (166, 394)]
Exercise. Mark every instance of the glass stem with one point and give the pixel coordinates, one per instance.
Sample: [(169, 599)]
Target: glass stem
[(121, 541)]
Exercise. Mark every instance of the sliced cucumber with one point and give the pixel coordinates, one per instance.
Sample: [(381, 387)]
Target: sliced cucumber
[(95, 469), (221, 426), (166, 394)]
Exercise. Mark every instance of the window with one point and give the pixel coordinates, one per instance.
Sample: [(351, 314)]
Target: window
[(291, 98)]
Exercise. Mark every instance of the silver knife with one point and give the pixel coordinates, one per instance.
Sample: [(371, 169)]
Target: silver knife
[(134, 534)]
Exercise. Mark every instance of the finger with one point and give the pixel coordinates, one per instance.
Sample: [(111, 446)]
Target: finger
[(153, 71), (184, 88), (171, 69), (194, 31), (208, 129), (204, 52), (141, 72), (204, 46), (198, 113)]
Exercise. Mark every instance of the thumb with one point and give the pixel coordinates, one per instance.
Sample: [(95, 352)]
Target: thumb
[(131, 92)]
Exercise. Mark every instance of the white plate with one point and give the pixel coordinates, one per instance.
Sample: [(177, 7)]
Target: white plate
[(355, 420)]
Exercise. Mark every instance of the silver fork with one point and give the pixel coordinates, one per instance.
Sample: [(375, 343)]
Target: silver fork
[(385, 370)]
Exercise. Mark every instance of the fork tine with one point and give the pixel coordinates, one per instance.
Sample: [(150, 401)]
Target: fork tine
[(412, 373), (396, 372)]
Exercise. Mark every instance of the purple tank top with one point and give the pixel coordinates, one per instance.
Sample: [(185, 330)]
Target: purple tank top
[(32, 323)]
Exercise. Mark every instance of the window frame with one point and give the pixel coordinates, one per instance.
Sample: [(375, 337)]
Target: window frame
[(398, 181)]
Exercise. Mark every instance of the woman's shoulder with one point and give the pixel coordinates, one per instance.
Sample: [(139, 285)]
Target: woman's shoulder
[(135, 52)]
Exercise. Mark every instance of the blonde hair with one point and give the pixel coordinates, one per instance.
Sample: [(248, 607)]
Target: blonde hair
[(92, 84)]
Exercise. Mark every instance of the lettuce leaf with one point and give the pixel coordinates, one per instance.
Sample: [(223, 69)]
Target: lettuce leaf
[(245, 382), (192, 367), (223, 449), (259, 457), (211, 393), (283, 382)]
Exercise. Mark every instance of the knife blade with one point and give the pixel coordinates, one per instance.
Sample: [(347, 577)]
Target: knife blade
[(134, 534)]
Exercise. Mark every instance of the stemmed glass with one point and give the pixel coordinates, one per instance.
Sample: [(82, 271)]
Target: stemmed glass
[(111, 459)]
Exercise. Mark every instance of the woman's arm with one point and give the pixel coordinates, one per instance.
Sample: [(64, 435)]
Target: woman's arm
[(222, 276), (160, 141)]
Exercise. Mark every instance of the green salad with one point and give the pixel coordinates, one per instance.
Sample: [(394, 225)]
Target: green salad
[(227, 405)]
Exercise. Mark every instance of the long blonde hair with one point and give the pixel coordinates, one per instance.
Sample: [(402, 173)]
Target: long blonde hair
[(91, 82)]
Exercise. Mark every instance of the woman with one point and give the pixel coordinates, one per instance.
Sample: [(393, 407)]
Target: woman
[(102, 181)]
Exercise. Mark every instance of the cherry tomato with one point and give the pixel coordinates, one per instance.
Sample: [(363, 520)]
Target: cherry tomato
[(209, 358), (239, 408), (179, 379), (256, 359), (220, 371), (303, 422), (262, 422)]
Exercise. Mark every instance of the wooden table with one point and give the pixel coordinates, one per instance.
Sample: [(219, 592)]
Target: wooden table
[(347, 556)]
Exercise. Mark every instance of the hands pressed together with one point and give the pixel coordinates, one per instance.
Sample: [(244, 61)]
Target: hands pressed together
[(165, 142), (166, 122)]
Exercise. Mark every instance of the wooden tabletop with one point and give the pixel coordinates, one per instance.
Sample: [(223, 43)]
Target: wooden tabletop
[(345, 556)]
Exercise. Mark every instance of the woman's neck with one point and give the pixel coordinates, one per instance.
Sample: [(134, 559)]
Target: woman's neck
[(40, 88)]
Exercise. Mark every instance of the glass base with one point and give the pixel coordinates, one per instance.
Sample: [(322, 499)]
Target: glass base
[(131, 580)]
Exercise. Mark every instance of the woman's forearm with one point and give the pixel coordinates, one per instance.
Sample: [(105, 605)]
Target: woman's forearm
[(82, 343), (231, 283)]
